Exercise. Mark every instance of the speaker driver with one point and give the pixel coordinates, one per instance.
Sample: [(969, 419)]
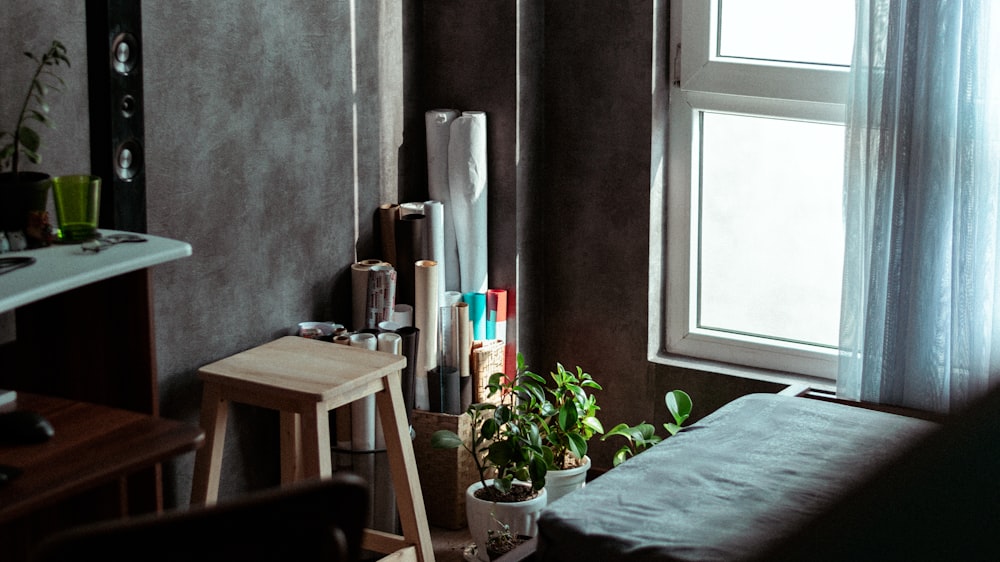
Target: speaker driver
[(124, 53), (128, 160)]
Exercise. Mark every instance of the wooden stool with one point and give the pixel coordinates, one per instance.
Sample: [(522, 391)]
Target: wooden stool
[(304, 379)]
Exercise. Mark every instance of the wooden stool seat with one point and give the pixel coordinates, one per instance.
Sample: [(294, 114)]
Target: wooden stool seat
[(304, 379)]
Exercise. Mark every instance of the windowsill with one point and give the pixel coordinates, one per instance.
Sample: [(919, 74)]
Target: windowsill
[(743, 372)]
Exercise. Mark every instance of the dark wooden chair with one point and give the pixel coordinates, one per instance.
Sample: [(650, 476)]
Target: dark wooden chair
[(312, 520)]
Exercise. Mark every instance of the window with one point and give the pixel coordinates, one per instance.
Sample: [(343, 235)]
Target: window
[(753, 233)]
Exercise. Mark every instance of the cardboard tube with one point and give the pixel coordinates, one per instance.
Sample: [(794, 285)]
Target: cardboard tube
[(388, 214), (425, 318)]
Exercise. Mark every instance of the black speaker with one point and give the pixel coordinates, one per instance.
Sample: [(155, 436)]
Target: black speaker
[(117, 155)]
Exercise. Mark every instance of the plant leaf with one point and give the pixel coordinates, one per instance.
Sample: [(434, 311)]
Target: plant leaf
[(445, 439), (29, 138), (679, 404), (567, 416), (41, 117)]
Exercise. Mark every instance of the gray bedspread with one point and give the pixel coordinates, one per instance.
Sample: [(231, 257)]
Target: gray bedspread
[(727, 487)]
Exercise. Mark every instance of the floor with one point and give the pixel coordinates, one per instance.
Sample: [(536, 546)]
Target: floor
[(449, 546)]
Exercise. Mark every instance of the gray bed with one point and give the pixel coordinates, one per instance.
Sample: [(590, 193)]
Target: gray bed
[(730, 486)]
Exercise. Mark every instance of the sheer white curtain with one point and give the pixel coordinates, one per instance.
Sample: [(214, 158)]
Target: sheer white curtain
[(920, 322)]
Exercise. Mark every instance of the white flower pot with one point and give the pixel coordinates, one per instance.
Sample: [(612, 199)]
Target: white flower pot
[(520, 516), (558, 483)]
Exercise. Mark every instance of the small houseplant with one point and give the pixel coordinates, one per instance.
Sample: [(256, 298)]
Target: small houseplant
[(643, 436), (566, 413), (25, 194), (506, 447)]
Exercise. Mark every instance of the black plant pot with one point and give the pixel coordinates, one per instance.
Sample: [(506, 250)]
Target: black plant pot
[(23, 206)]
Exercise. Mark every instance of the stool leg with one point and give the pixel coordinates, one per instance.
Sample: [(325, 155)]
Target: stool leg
[(291, 447), (208, 459), (403, 466), (316, 457)]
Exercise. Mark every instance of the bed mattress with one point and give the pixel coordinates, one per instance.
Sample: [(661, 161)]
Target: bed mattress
[(727, 487)]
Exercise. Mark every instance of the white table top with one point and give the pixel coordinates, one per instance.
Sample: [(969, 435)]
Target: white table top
[(61, 268)]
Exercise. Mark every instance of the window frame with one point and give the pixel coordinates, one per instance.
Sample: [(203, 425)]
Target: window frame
[(700, 81)]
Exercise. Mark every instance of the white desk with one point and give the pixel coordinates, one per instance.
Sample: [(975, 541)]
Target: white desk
[(60, 268)]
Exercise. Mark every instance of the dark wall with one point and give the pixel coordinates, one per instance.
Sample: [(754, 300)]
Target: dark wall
[(254, 114), (589, 191)]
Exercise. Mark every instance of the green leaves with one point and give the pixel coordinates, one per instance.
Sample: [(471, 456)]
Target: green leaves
[(642, 436), (679, 404), (25, 140), (445, 439)]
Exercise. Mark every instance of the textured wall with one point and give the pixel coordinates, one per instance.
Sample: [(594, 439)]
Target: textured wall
[(263, 131)]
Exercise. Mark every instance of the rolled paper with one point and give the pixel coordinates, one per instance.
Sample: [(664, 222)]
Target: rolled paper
[(408, 346), (435, 400), (452, 298), (363, 409), (388, 326), (437, 123), (411, 208), (342, 416), (450, 351), (477, 314), (464, 338), (388, 342), (388, 214), (402, 314), (409, 244), (465, 391), (434, 238), (359, 290), (467, 174), (496, 314), (381, 294), (425, 318)]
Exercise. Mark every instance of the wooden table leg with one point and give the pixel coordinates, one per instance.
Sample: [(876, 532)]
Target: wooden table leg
[(291, 447), (403, 467), (208, 459), (316, 455)]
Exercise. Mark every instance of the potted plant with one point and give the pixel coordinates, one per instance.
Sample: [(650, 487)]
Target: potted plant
[(506, 447), (25, 194), (643, 436), (567, 416)]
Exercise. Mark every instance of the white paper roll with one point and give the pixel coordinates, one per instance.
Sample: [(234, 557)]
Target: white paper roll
[(402, 314), (438, 128), (451, 298), (388, 342), (363, 409), (434, 238), (425, 318), (467, 178)]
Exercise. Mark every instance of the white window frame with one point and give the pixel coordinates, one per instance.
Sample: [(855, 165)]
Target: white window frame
[(701, 81)]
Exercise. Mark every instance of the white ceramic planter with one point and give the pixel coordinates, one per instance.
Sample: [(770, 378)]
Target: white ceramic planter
[(558, 483), (521, 516)]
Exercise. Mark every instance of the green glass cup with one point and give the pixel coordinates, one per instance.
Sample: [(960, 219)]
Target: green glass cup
[(77, 201)]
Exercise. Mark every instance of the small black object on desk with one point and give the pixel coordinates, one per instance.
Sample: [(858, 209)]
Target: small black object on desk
[(24, 427)]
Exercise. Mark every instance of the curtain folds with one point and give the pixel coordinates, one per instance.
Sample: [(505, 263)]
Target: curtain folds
[(920, 321)]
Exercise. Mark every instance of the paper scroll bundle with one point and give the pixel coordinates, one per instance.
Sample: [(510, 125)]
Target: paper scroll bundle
[(429, 288)]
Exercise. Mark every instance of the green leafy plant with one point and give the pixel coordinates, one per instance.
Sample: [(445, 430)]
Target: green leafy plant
[(643, 436), (23, 139), (505, 440), (567, 413)]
